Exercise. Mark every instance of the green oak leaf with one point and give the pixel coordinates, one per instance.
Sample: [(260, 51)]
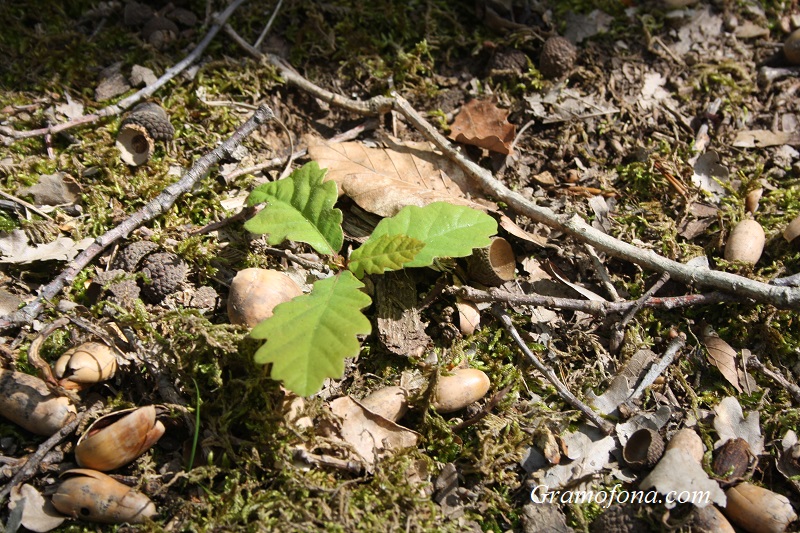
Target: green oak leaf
[(299, 208), (447, 230), (387, 252), (309, 337)]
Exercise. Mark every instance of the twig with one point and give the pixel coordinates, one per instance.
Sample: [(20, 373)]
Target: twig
[(264, 32), (793, 389), (145, 92), (25, 204), (788, 281), (619, 328), (575, 226), (377, 105), (591, 307), (605, 279), (156, 207), (658, 368), (32, 463), (563, 391), (294, 258)]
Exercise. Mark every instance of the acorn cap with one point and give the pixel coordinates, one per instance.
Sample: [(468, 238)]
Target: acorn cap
[(153, 118), (494, 264), (166, 272), (558, 57), (643, 449), (135, 145)]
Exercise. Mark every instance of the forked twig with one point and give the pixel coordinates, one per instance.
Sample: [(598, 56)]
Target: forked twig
[(551, 376), (156, 207)]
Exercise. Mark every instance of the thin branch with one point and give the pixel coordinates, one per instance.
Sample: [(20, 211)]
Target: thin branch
[(596, 308), (156, 207), (25, 204), (602, 272), (619, 328), (658, 368), (563, 391), (793, 389), (264, 32), (575, 226), (146, 92)]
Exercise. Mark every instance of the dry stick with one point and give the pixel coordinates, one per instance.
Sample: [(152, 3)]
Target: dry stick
[(374, 106), (658, 368), (146, 92), (603, 273), (619, 328), (156, 207), (596, 308), (575, 226), (793, 389), (563, 391)]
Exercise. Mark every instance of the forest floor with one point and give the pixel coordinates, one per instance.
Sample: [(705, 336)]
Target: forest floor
[(660, 127)]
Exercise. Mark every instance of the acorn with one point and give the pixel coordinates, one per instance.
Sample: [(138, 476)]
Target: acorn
[(389, 402), (792, 232), (26, 401), (84, 365), (139, 131), (746, 242), (96, 497), (791, 48), (459, 389), (255, 292), (118, 438), (755, 508)]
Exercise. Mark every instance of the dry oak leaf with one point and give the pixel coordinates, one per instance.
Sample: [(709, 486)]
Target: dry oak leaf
[(384, 180), (722, 356), (481, 123)]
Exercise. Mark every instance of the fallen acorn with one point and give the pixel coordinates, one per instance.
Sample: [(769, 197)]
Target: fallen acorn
[(732, 459), (255, 292), (461, 388), (792, 232), (118, 438), (643, 449), (26, 401), (96, 497), (791, 48), (709, 519), (389, 402), (746, 242), (84, 365), (756, 509)]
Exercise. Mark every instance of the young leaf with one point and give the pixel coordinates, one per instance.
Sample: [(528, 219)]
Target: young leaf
[(309, 337), (299, 208), (447, 230), (387, 252)]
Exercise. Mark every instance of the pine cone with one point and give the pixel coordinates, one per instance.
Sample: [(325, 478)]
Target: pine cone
[(166, 272)]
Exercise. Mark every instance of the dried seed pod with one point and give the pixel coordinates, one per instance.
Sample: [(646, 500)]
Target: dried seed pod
[(494, 264), (26, 401), (643, 449), (255, 292), (792, 232), (463, 387), (118, 438), (758, 509), (389, 402), (84, 365), (558, 56), (166, 272), (96, 497), (732, 459), (791, 48), (746, 242), (138, 133)]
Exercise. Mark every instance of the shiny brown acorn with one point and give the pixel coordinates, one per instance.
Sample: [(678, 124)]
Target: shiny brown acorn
[(255, 292), (461, 388), (389, 402), (26, 401), (84, 365), (118, 438), (746, 242), (96, 497)]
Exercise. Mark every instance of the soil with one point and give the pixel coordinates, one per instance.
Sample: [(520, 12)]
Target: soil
[(663, 126)]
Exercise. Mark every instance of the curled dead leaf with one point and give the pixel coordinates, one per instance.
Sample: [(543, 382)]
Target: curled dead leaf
[(481, 123)]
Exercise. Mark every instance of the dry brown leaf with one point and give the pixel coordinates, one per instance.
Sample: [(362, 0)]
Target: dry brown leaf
[(763, 138), (383, 181), (722, 356), (481, 123), (371, 435)]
